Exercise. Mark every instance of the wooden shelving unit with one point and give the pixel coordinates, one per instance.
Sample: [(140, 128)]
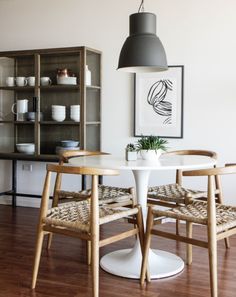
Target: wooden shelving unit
[(47, 134)]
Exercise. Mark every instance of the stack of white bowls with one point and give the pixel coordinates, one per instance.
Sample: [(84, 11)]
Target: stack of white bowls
[(75, 113), (58, 113)]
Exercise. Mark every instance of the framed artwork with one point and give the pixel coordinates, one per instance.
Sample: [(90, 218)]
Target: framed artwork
[(159, 103)]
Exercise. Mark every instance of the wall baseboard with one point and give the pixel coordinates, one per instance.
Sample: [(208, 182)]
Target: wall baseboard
[(21, 201)]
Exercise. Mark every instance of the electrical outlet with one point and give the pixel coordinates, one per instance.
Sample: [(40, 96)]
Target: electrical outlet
[(27, 167)]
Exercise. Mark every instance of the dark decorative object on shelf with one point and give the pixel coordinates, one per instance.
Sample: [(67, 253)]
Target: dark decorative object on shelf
[(30, 116)]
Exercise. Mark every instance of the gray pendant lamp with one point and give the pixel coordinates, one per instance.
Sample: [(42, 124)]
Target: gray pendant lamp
[(142, 50)]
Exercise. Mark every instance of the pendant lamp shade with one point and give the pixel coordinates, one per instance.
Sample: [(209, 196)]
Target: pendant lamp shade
[(142, 50)]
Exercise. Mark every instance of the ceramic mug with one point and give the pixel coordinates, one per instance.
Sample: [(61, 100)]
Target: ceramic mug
[(45, 81), (31, 81), (21, 81), (10, 81)]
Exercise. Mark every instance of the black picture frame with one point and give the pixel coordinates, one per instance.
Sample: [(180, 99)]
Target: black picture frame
[(159, 103)]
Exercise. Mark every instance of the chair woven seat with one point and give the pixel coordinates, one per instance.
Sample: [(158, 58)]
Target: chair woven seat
[(196, 212), (76, 215), (106, 195), (173, 193)]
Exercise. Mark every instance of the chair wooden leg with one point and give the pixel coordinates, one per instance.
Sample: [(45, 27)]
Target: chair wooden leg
[(189, 247), (220, 200), (95, 266), (177, 224), (212, 237), (139, 220), (49, 241), (41, 233), (88, 247), (177, 227), (54, 203), (227, 243), (146, 247), (95, 231), (212, 250), (38, 250)]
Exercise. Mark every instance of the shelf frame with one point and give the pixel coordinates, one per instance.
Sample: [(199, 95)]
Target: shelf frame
[(79, 93)]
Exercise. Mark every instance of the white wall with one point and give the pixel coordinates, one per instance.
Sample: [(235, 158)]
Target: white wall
[(198, 34)]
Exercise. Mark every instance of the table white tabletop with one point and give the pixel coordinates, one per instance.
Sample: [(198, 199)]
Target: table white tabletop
[(127, 262), (165, 162)]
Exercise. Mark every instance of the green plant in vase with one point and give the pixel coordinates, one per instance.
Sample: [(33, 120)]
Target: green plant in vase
[(151, 147)]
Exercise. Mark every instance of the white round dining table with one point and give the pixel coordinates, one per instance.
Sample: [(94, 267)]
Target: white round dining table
[(127, 262)]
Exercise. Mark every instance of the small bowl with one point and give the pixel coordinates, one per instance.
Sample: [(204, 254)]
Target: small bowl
[(30, 116), (69, 143), (26, 148), (75, 117), (59, 117)]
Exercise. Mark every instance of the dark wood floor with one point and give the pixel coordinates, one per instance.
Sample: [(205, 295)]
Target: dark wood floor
[(63, 271)]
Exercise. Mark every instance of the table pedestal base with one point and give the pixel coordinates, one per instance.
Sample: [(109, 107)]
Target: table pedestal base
[(127, 263)]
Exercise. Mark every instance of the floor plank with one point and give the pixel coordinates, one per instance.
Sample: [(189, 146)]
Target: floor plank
[(63, 270)]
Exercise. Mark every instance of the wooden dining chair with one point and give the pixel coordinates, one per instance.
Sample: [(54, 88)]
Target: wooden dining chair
[(219, 219), (173, 195), (82, 219), (108, 195)]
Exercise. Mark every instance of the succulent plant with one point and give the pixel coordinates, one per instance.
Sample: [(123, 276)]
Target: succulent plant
[(151, 143), (130, 147)]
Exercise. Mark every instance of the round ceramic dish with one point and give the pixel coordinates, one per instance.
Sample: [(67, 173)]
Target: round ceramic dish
[(69, 143), (26, 148)]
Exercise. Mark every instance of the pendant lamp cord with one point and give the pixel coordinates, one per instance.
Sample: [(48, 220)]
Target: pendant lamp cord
[(141, 7)]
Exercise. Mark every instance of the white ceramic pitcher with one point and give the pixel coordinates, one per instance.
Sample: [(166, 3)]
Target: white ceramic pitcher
[(21, 109)]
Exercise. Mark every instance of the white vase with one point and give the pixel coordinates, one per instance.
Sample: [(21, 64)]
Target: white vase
[(87, 76), (130, 156), (150, 155)]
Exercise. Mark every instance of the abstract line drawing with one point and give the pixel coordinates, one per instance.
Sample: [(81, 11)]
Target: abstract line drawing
[(158, 103), (157, 98)]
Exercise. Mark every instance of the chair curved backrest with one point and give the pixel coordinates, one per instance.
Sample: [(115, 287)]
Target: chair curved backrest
[(81, 170), (206, 153), (229, 169), (64, 156), (230, 164)]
